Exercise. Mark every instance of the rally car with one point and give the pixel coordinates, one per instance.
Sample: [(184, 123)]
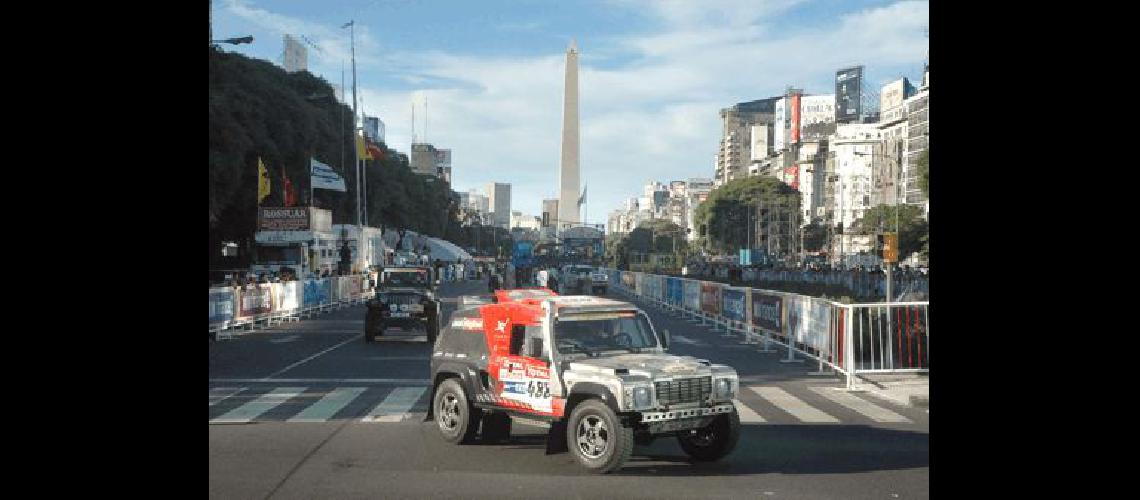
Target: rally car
[(594, 368), (405, 298)]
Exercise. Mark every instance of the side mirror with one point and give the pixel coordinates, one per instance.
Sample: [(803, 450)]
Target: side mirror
[(667, 338)]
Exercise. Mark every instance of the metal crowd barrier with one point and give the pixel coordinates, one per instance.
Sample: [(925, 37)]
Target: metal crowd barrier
[(845, 339), (236, 310)]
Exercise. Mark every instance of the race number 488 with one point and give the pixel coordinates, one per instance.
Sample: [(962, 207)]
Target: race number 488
[(538, 389)]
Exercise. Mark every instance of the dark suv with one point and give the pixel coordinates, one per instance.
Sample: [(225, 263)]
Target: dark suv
[(405, 298)]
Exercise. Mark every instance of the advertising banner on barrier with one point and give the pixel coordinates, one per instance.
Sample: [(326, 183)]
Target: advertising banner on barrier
[(627, 279), (316, 291), (808, 320), (255, 300), (691, 290), (288, 296), (767, 311), (674, 291), (734, 304), (638, 282), (221, 305), (710, 297)]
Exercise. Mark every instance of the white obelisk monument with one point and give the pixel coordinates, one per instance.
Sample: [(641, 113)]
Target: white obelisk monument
[(568, 182)]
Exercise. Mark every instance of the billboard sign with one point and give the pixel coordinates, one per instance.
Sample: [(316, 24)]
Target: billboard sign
[(795, 123), (710, 297), (817, 117), (792, 176), (283, 218), (734, 304), (766, 311), (848, 94), (780, 125), (760, 141)]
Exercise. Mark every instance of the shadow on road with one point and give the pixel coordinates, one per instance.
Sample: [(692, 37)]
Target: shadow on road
[(785, 449)]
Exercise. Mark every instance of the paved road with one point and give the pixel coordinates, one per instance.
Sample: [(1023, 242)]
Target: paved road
[(308, 410)]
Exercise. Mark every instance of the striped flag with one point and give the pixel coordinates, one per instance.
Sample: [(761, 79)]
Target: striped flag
[(324, 177)]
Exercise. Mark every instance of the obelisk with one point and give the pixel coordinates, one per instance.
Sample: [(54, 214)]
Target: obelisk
[(568, 182)]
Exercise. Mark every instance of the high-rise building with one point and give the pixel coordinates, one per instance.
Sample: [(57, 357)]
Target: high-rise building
[(549, 213), (374, 128), (295, 56), (849, 95), (423, 160), (499, 199), (735, 150), (568, 173)]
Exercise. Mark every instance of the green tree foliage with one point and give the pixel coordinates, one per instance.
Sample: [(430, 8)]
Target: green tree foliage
[(259, 110), (815, 237), (912, 226), (923, 169), (651, 236), (723, 219)]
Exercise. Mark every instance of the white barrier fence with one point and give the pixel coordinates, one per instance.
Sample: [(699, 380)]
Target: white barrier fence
[(845, 338), (238, 308)]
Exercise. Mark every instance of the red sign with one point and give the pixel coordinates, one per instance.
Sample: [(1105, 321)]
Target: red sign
[(792, 173), (795, 118)]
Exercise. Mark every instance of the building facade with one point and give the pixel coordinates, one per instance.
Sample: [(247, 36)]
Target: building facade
[(499, 199)]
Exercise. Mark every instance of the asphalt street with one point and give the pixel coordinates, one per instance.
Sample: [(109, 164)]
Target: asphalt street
[(309, 410)]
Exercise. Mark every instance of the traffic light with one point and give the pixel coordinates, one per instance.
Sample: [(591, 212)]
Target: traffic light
[(890, 247)]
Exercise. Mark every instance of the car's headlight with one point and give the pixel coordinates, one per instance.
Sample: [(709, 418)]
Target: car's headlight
[(638, 398), (725, 389)]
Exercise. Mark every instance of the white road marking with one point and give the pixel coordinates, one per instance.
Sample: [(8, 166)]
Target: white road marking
[(747, 416), (395, 406), (793, 405), (306, 360), (286, 339), (331, 403), (684, 340), (862, 406), (262, 404), (218, 394)]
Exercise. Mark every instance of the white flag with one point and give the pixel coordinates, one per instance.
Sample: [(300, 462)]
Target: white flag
[(324, 177)]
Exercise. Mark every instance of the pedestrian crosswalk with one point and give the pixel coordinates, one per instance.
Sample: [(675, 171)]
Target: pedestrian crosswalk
[(389, 403)]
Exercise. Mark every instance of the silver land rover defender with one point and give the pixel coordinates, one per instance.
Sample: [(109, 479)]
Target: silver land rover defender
[(604, 381)]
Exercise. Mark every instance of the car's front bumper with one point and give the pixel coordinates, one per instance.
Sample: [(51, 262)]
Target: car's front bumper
[(659, 422)]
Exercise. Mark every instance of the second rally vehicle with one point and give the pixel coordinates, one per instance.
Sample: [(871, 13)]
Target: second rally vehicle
[(594, 368), (405, 297)]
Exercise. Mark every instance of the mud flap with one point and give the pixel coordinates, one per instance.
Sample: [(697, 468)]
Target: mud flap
[(556, 438)]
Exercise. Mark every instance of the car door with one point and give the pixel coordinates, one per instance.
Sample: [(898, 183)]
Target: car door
[(523, 376)]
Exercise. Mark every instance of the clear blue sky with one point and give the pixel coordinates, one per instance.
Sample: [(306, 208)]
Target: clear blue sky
[(654, 73)]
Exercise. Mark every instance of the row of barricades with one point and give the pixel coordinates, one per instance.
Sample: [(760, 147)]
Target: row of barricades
[(886, 337), (250, 306)]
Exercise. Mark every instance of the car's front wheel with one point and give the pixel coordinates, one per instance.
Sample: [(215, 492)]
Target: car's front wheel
[(373, 325), (714, 441), (458, 421), (597, 438)]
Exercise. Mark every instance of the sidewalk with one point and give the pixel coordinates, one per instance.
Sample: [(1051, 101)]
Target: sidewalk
[(904, 389)]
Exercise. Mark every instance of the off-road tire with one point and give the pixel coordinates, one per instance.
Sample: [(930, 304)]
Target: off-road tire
[(373, 326), (462, 428), (618, 439), (714, 441), (496, 427)]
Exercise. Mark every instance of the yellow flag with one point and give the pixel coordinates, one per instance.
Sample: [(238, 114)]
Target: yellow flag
[(361, 151), (263, 185)]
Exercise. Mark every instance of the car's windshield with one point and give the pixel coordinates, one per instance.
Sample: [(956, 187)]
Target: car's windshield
[(592, 333), (405, 278)]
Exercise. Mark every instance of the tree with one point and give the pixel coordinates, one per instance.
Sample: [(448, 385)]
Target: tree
[(257, 110), (815, 236), (725, 220), (912, 226), (923, 169)]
